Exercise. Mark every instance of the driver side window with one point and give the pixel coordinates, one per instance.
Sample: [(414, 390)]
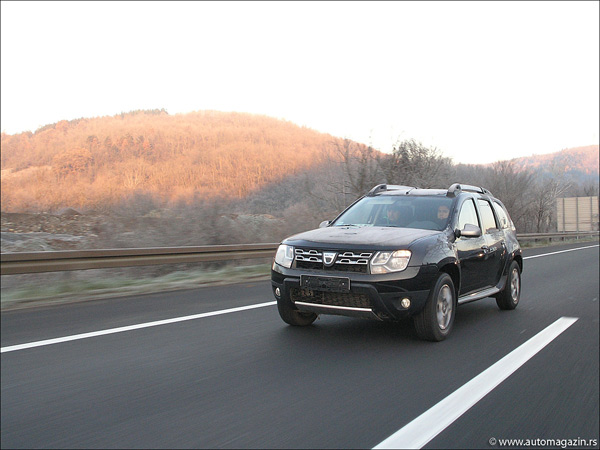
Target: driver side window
[(468, 214)]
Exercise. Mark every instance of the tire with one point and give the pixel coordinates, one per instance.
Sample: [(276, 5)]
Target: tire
[(292, 316), (509, 297), (435, 321)]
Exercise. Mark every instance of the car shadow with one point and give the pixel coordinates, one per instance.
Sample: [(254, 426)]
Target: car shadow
[(338, 330)]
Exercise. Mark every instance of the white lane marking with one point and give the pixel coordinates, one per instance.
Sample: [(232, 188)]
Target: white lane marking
[(75, 337), (178, 319), (436, 419), (561, 251)]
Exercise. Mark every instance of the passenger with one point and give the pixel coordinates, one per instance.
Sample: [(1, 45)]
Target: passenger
[(394, 216)]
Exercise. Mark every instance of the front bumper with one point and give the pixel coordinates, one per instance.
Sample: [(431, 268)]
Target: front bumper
[(370, 296)]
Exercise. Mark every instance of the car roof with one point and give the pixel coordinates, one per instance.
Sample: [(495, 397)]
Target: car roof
[(417, 192), (453, 191)]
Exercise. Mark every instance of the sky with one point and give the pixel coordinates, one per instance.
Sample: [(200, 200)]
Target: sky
[(479, 81)]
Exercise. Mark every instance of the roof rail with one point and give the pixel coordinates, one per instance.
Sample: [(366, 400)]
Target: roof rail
[(456, 188), (387, 187)]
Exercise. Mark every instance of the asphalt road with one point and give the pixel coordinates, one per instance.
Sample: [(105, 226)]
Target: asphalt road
[(244, 379)]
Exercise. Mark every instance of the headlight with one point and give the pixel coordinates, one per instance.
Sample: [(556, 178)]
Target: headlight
[(285, 255), (388, 262)]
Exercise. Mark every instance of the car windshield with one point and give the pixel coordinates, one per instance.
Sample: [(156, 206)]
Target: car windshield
[(429, 213)]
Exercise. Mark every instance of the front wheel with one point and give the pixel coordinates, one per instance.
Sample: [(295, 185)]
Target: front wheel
[(510, 295), (435, 321), (292, 316)]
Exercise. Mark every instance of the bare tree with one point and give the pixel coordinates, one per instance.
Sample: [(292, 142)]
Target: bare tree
[(413, 164), (361, 166), (547, 188), (347, 171), (512, 185), (76, 160)]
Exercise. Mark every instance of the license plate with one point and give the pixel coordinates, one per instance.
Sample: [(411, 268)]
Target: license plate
[(328, 284)]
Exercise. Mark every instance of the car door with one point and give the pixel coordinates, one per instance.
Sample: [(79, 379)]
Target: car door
[(470, 250), (495, 247)]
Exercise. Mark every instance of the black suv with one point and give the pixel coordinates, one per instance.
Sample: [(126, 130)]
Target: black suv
[(399, 252)]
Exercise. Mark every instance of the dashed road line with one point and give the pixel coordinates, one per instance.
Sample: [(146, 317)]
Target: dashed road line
[(432, 422), (157, 323)]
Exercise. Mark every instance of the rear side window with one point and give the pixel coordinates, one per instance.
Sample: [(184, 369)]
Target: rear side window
[(467, 215), (502, 217), (487, 215)]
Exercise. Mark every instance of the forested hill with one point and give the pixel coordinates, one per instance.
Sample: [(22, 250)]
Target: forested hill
[(95, 162), (159, 160), (582, 160)]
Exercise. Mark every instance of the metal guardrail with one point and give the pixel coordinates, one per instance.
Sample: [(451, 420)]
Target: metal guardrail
[(562, 236), (36, 262), (57, 261)]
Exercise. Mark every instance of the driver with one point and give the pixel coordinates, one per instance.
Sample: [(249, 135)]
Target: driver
[(442, 215), (443, 212)]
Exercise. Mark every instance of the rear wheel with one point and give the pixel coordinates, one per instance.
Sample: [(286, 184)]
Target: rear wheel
[(435, 321), (292, 316), (510, 295)]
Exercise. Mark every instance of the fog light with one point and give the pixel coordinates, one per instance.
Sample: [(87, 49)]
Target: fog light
[(405, 303), (277, 292)]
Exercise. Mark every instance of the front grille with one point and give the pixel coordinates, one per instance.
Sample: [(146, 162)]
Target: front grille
[(314, 256), (346, 261), (348, 299)]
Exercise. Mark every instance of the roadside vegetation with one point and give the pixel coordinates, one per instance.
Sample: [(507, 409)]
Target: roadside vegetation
[(150, 179), (65, 287)]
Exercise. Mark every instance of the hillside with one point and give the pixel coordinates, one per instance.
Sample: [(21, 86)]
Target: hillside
[(147, 178), (578, 161), (144, 161), (95, 163)]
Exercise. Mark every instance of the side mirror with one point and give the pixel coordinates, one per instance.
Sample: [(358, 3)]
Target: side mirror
[(324, 224), (469, 231)]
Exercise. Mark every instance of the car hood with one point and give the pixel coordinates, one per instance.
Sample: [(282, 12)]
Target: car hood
[(371, 237)]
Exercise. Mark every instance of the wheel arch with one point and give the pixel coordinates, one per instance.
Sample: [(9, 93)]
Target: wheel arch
[(519, 259), (452, 269)]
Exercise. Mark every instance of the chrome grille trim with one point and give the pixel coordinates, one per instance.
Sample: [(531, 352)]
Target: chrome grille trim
[(308, 255), (350, 257), (346, 257)]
